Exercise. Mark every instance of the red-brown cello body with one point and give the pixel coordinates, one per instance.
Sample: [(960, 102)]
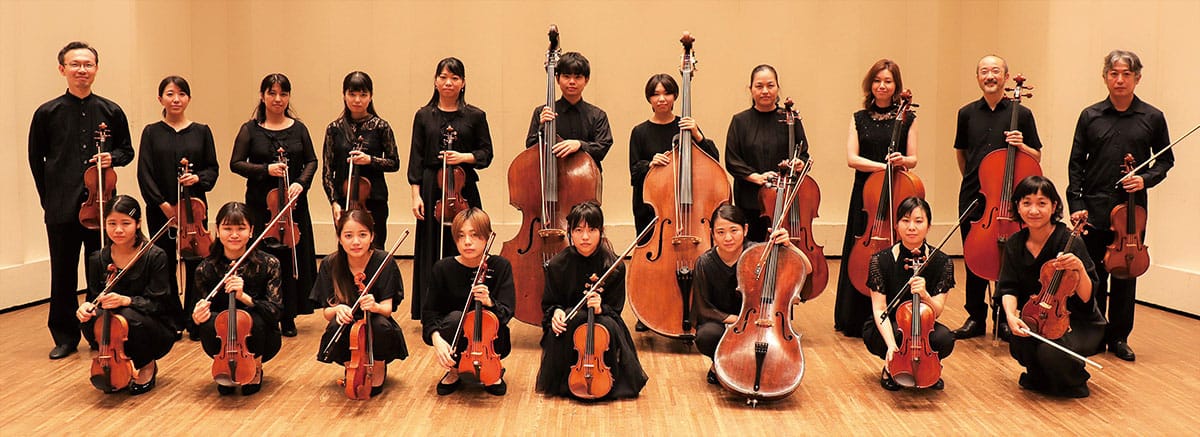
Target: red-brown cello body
[(1127, 257)]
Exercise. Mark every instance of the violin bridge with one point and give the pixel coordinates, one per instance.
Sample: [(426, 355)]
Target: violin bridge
[(1044, 305)]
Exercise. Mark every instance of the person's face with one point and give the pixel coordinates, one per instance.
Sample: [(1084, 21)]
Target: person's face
[(1121, 80), (79, 67), (991, 75), (883, 86), (234, 236), (913, 227), (764, 89), (356, 239), (276, 99), (585, 238), (174, 100), (729, 235), (572, 85), (121, 228), (662, 101), (470, 242), (1036, 210), (448, 84), (357, 102)]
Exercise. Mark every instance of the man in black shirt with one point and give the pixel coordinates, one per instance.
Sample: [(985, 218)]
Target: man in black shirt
[(61, 148), (582, 125), (1106, 131), (983, 127)]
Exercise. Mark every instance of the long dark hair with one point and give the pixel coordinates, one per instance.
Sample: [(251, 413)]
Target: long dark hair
[(179, 82), (358, 81), (589, 212), (285, 85), (129, 206), (232, 213), (344, 289), (456, 68)]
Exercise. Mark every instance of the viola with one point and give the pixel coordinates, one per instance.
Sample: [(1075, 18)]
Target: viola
[(451, 179), (194, 239), (800, 218), (998, 173), (544, 203), (285, 229), (95, 177), (881, 193), (915, 363), (481, 328), (684, 232), (234, 364), (1127, 257), (356, 187), (360, 370), (759, 356), (1046, 313)]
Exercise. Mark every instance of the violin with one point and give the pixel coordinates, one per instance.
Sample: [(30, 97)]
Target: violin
[(1127, 257), (357, 188), (360, 370), (883, 190), (285, 230), (590, 377), (804, 210), (481, 328), (451, 179), (544, 203), (1046, 313), (683, 208), (194, 238), (915, 363), (95, 177), (759, 356), (234, 364), (112, 370), (998, 173)]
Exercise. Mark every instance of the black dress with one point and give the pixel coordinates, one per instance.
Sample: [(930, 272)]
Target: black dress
[(253, 150), (646, 140), (379, 142), (450, 284), (566, 280), (150, 313), (260, 274), (874, 128), (756, 143), (161, 149), (388, 338), (715, 296), (1047, 368), (888, 274), (474, 137)]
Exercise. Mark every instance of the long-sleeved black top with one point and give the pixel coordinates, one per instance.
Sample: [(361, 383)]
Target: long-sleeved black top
[(159, 154), (473, 136), (757, 142), (1021, 269), (980, 131), (389, 285), (650, 138), (715, 293), (147, 283), (1103, 136), (62, 138), (889, 272), (568, 276), (582, 121), (379, 142), (260, 276), (254, 149), (450, 284)]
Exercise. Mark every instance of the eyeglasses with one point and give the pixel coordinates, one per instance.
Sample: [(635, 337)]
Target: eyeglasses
[(77, 66)]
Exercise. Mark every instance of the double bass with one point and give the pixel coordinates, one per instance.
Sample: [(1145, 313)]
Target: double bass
[(101, 185), (881, 193), (683, 208), (1127, 257), (999, 171), (285, 229), (1046, 313), (194, 239), (544, 203), (799, 221), (481, 328), (915, 363), (759, 355), (357, 188)]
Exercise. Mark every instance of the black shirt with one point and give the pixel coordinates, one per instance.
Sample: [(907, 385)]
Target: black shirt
[(715, 293), (379, 142), (581, 121), (980, 131), (254, 149), (147, 283), (1103, 136), (159, 154), (650, 138), (1020, 272), (473, 136), (889, 272), (450, 284), (260, 276), (388, 286), (757, 143), (568, 276), (62, 138)]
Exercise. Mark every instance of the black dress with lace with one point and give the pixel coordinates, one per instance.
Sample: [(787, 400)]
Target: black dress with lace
[(888, 273)]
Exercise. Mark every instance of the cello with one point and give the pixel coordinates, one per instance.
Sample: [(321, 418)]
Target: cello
[(357, 188), (998, 173), (544, 203), (882, 191), (194, 239), (92, 209), (759, 355), (1127, 257), (1046, 313), (804, 210), (284, 230), (684, 232), (481, 328), (915, 363)]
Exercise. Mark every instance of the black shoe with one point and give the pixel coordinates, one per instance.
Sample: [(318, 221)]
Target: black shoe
[(1121, 350), (940, 385), (497, 389), (886, 381), (1005, 333), (137, 389), (178, 335), (249, 389), (445, 389), (1075, 392), (376, 390), (62, 351), (193, 335), (93, 345), (712, 377), (287, 327), (640, 327), (969, 329), (1030, 383), (225, 389)]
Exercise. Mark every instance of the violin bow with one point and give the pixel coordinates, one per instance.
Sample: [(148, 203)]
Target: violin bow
[(896, 300), (787, 205), (1062, 348), (136, 256), (1154, 156), (595, 285), (374, 277), (237, 263), (480, 272)]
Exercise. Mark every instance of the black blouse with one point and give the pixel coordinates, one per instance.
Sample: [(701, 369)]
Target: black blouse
[(756, 143), (715, 293), (260, 276), (1020, 272), (980, 131), (158, 161), (568, 276), (379, 142), (147, 283), (650, 138), (889, 272), (450, 284), (429, 124), (582, 121), (254, 149), (389, 285)]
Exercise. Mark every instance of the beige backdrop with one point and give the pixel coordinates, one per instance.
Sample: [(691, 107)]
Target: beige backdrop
[(821, 49)]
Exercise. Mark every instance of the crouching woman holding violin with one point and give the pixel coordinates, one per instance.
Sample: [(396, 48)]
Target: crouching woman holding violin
[(891, 272), (339, 285), (255, 287), (140, 297), (1065, 282)]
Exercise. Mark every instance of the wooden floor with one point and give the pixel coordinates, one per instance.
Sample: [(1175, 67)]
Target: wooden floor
[(840, 392)]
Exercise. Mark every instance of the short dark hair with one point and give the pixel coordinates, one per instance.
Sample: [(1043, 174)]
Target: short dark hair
[(1037, 185), (573, 63), (75, 45), (359, 82), (729, 212), (913, 202), (667, 82)]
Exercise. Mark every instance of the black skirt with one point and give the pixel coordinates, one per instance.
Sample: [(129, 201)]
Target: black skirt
[(558, 355), (389, 341)]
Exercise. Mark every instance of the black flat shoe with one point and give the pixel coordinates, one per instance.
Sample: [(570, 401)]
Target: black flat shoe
[(940, 385), (970, 329), (62, 351), (640, 327), (137, 389), (1121, 350), (497, 389), (1030, 383), (225, 390), (193, 336), (445, 389), (1005, 333), (712, 377), (249, 389), (886, 381)]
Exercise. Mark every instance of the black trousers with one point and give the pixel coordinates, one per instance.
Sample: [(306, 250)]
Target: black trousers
[(191, 294), (1116, 297), (64, 240), (708, 335), (976, 297), (1049, 367), (941, 339), (503, 343)]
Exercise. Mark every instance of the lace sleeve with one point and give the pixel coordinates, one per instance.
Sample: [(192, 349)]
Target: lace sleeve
[(875, 275), (945, 277)]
